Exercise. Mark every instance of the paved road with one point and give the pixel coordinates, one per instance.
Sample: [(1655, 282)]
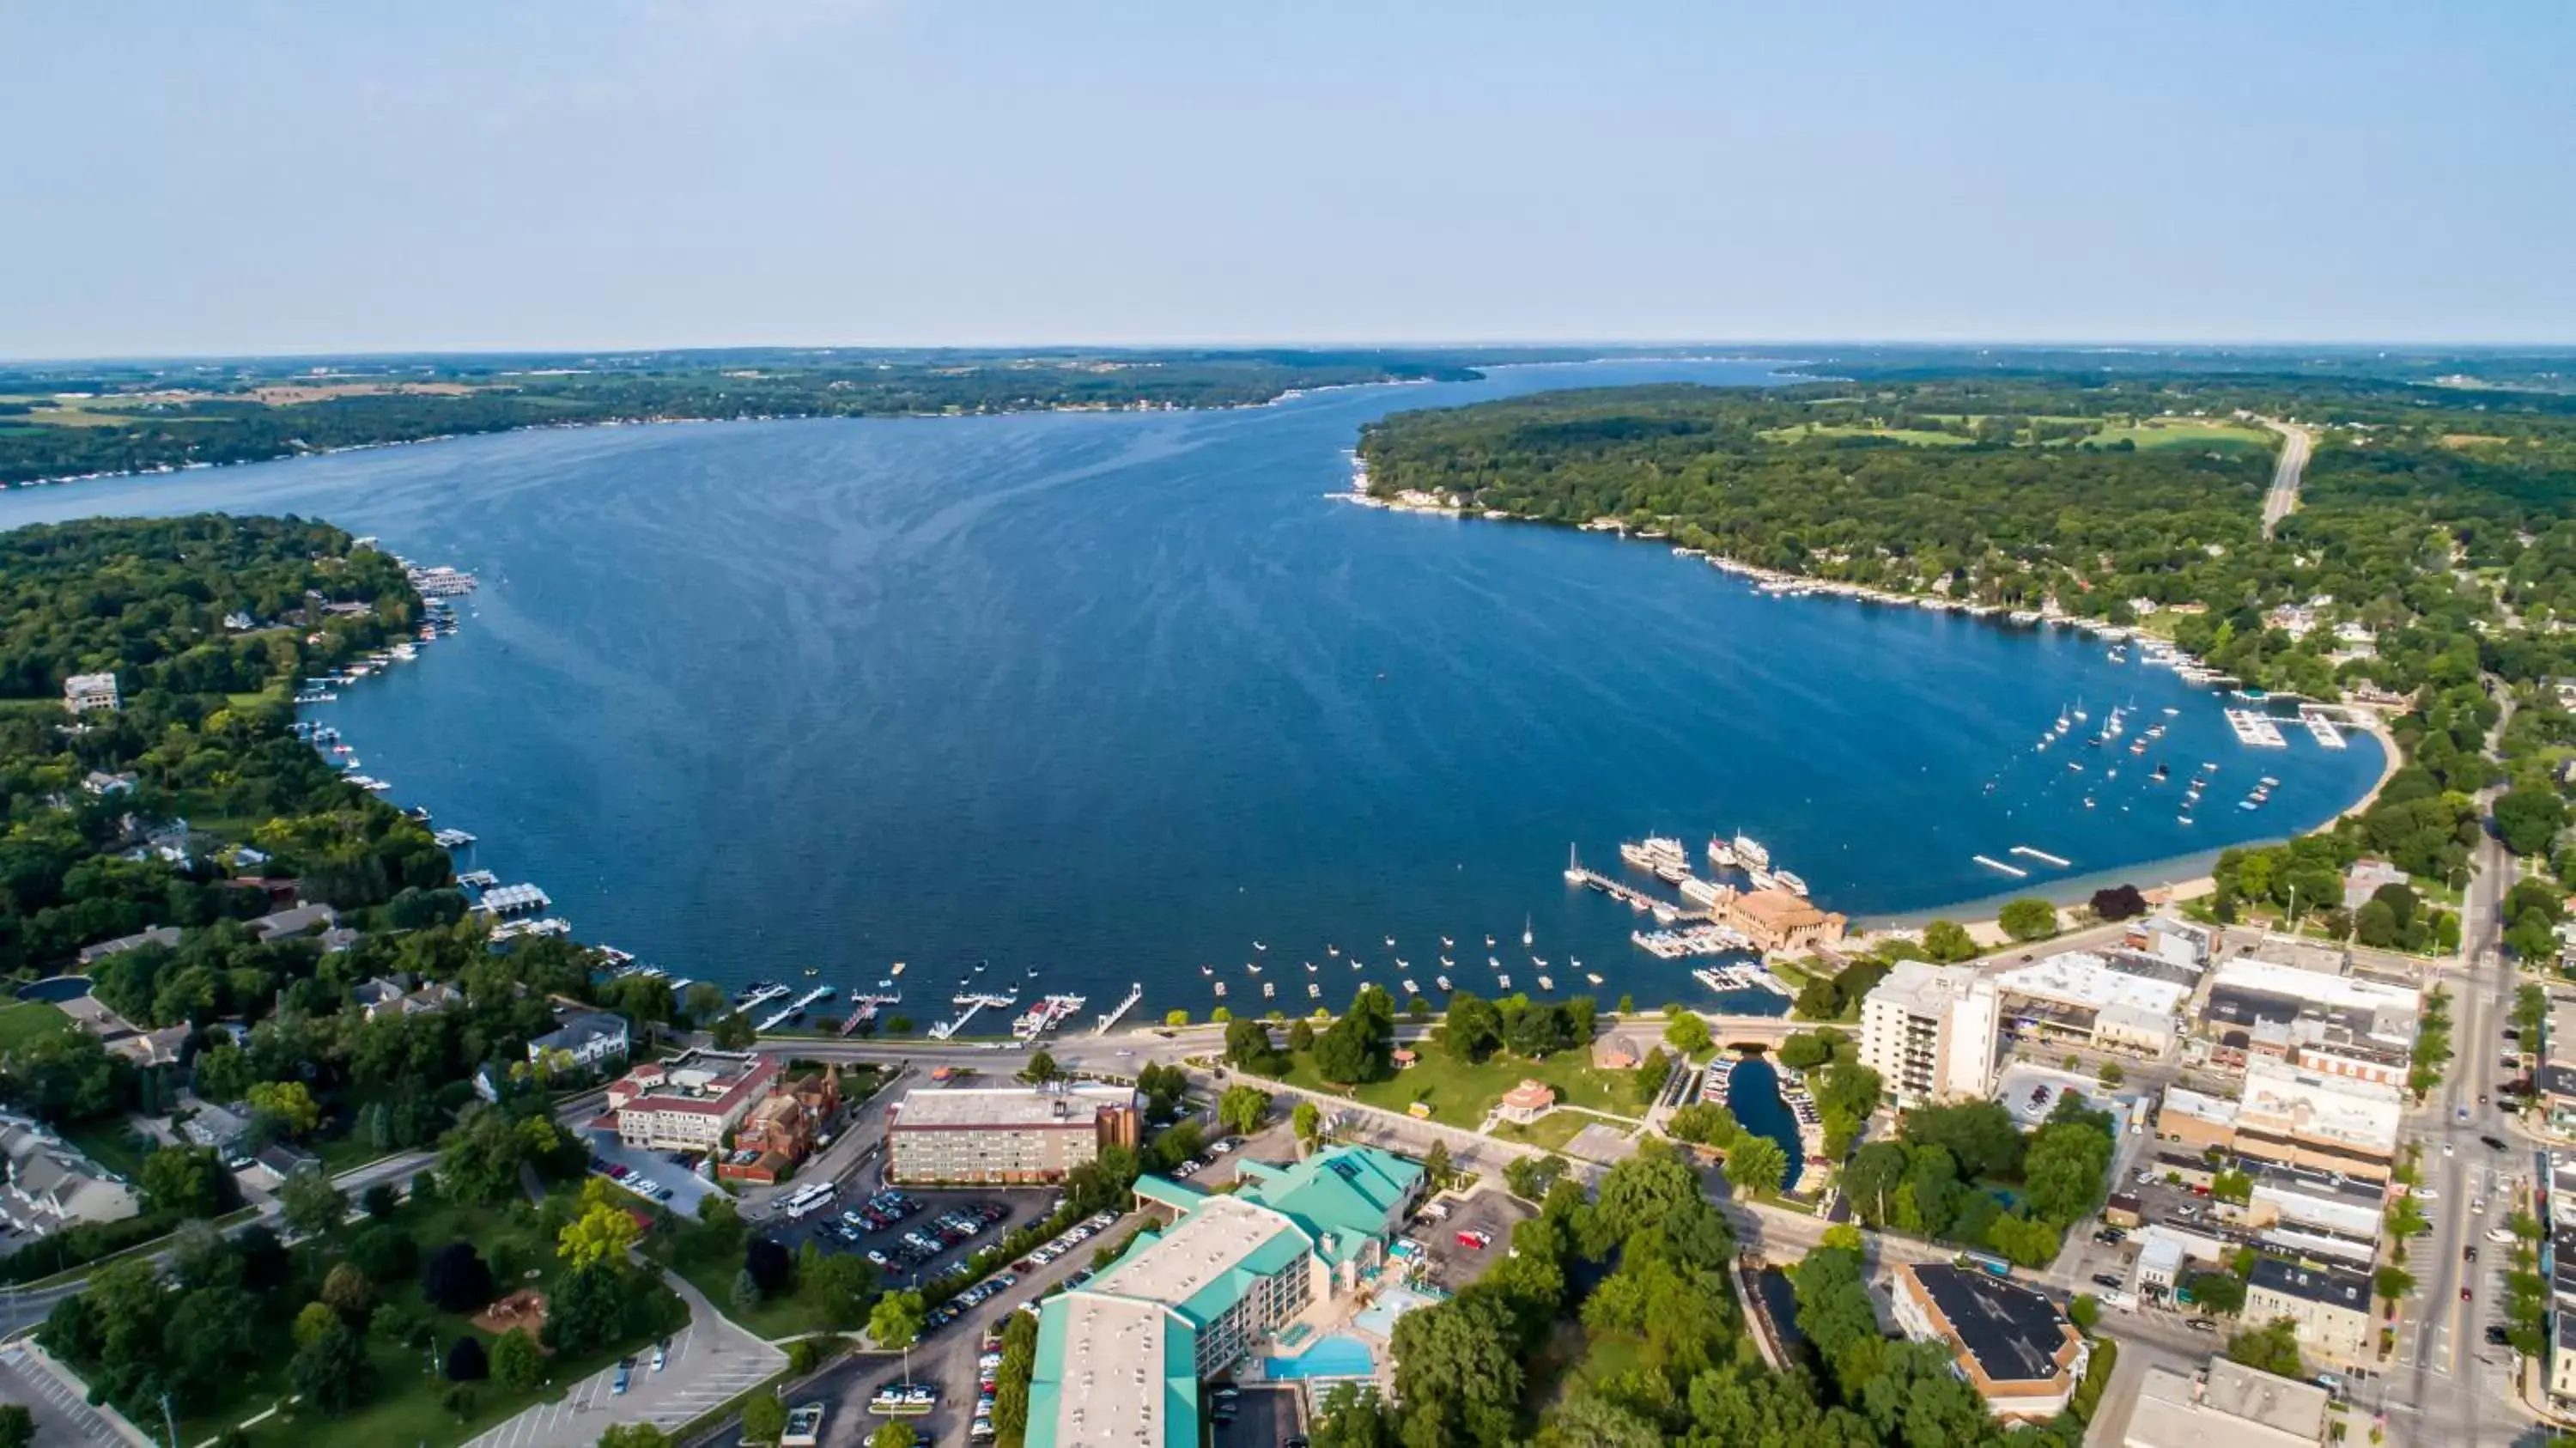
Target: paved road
[(2296, 441), (709, 1361)]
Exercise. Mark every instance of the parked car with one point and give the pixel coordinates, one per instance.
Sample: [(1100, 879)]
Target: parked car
[(2105, 1279), (625, 1373), (1475, 1240)]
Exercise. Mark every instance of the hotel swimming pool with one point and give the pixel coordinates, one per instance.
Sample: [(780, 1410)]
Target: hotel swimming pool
[(1339, 1356), (1378, 1321)]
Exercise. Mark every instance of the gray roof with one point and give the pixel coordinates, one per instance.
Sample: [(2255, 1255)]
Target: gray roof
[(295, 920), (2326, 1286), (580, 1029), (2013, 1332)]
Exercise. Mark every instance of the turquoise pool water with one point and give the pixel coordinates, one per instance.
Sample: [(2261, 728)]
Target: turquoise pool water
[(1331, 1357)]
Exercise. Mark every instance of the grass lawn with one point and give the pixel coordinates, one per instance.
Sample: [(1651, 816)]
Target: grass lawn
[(1460, 1094), (2187, 432), (28, 1020), (405, 1408), (1551, 1131), (112, 1144), (789, 1316), (1805, 430)]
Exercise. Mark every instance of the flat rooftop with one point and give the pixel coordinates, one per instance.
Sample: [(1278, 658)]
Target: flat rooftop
[(2237, 1407), (1006, 1107), (2093, 981), (1106, 1373), (1197, 1252), (2014, 1333)]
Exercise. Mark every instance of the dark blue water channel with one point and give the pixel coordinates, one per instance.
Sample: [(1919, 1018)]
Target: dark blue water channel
[(1753, 1094), (1118, 695)]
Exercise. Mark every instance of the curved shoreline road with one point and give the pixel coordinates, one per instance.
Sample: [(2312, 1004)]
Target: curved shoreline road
[(2296, 441)]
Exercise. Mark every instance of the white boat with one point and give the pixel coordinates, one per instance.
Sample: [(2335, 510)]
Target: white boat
[(1789, 882), (1441, 981), (1545, 984), (1528, 936), (1592, 977), (1720, 853), (1750, 854), (1504, 981)]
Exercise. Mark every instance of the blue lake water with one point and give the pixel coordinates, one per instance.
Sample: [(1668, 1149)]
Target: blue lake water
[(1117, 695)]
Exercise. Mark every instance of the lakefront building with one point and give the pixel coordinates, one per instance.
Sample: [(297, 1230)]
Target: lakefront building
[(1120, 1359), (1006, 1134), (1929, 1032)]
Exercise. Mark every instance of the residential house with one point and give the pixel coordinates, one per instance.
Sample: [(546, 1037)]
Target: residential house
[(594, 1040), (84, 692)]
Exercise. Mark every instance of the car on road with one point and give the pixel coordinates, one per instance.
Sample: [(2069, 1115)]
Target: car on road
[(625, 1374), (2499, 1235), (2497, 1336), (2201, 1324), (2446, 1148), (2492, 1143), (2465, 1294), (2463, 1112), (2469, 1253)]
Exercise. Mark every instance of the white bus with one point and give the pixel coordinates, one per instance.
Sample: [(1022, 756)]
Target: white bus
[(809, 1200)]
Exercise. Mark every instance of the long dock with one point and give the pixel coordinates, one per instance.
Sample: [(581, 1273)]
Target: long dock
[(1634, 899), (2043, 856), (1111, 1016), (972, 1004), (1991, 863), (864, 1008)]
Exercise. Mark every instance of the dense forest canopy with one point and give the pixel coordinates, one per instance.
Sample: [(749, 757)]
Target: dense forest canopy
[(202, 733), (72, 421), (2444, 525)]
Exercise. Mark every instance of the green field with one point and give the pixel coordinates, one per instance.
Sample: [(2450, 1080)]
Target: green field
[(1550, 1132), (1806, 430), (1460, 1094), (28, 1020), (2188, 432)]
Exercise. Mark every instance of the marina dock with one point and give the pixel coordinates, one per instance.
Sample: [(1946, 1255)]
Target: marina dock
[(970, 1004), (1991, 863), (864, 1008), (783, 1016), (1631, 897), (511, 899), (452, 839), (1112, 1016), (1046, 1015), (2043, 856), (2254, 727), (2322, 729)]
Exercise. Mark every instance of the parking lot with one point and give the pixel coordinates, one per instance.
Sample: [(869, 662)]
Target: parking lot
[(904, 1263), (1491, 1211), (708, 1362), (657, 1168)]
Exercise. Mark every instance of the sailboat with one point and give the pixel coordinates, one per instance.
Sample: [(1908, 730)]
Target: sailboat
[(1207, 970), (898, 968), (1448, 944), (1528, 935), (1310, 967), (1257, 945), (1332, 950), (1390, 942)]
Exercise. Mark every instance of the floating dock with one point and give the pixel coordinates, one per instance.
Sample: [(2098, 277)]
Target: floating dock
[(2322, 730), (2043, 856), (971, 1004), (511, 899), (452, 839), (2255, 728), (789, 1013), (1991, 863)]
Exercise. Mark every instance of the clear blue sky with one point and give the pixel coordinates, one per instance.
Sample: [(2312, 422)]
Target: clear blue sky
[(263, 177)]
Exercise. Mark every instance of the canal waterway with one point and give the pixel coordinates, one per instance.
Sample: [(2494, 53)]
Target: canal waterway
[(1116, 696), (1753, 1094)]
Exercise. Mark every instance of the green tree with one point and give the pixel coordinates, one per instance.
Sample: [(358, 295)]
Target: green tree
[(735, 1032), (1041, 1068), (2528, 819), (2084, 1311), (517, 1362), (897, 1320), (2029, 918), (894, 1435), (764, 1418), (1687, 1032), (1948, 942), (1756, 1165), (17, 1426), (2271, 1348), (333, 1372), (2222, 1293), (1706, 1123), (288, 1104), (183, 1179), (1242, 1109), (1307, 1123), (309, 1202), (645, 1435), (602, 1234), (1472, 1028)]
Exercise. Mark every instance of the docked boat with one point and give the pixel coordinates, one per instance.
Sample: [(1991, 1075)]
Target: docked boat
[(1750, 854)]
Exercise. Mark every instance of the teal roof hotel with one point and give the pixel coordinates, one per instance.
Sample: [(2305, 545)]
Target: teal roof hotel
[(1120, 1360)]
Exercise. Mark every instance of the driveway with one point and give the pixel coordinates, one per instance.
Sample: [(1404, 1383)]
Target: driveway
[(710, 1361)]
